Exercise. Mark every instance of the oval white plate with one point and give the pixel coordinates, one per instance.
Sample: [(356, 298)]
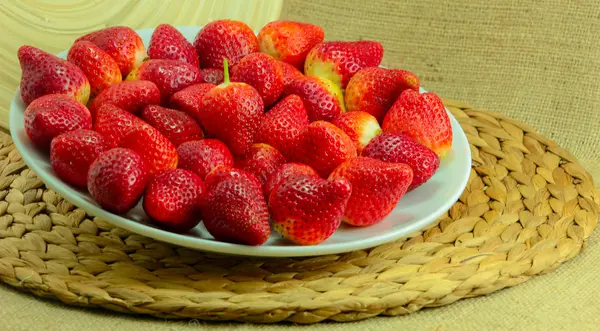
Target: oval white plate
[(416, 209)]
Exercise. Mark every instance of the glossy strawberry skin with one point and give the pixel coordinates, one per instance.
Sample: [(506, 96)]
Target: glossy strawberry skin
[(282, 125), (72, 153), (306, 209), (322, 99), (423, 118), (168, 43), (172, 200), (44, 73), (53, 114), (190, 99), (234, 209), (400, 148), (100, 69), (113, 123), (261, 160), (377, 187), (156, 150), (212, 75), (117, 179), (283, 172), (130, 96), (224, 39), (289, 73), (202, 156), (338, 61), (262, 72), (289, 41), (361, 127), (176, 125)]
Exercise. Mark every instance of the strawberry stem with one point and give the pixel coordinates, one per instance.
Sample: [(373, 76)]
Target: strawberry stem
[(225, 71)]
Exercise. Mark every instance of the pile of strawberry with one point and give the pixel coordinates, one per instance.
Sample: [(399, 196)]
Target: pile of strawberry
[(303, 135)]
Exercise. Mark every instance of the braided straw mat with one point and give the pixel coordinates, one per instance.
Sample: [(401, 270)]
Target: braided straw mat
[(529, 206)]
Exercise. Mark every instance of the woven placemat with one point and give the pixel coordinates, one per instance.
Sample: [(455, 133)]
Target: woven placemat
[(529, 206)]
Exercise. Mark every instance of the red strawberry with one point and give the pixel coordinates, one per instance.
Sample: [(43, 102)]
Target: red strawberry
[(423, 118), (289, 41), (261, 161), (172, 200), (190, 98), (212, 75), (130, 96), (117, 179), (232, 112), (324, 146), (234, 209), (202, 156), (169, 44), (400, 148), (224, 39), (122, 43), (306, 209), (361, 127), (377, 187), (289, 73), (52, 114), (100, 69), (282, 125), (156, 150), (177, 126), (262, 72), (283, 172), (322, 99), (169, 76), (72, 153), (374, 90), (113, 124), (44, 73), (338, 61)]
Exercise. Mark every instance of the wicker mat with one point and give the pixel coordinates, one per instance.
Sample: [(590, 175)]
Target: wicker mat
[(529, 207)]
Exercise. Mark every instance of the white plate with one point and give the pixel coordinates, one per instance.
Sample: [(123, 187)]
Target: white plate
[(416, 209)]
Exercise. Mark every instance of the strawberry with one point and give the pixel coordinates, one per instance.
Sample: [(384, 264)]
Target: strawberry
[(122, 43), (212, 75), (324, 146), (172, 200), (262, 72), (322, 99), (169, 76), (261, 161), (190, 98), (100, 69), (202, 156), (72, 153), (224, 39), (156, 150), (285, 171), (176, 125), (234, 209), (306, 209), (168, 43), (289, 41), (374, 90), (113, 123), (289, 73), (338, 61), (377, 187), (400, 148), (423, 118), (361, 127), (44, 73), (130, 96), (282, 125), (232, 112), (52, 114), (117, 179)]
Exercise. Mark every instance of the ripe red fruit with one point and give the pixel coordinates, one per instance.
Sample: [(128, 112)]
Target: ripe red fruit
[(234, 209), (72, 153), (212, 75), (261, 160), (100, 69), (283, 172), (227, 39), (262, 72), (202, 156), (52, 114), (377, 187), (289, 41), (169, 44), (176, 125), (361, 127), (113, 124), (156, 150), (400, 148), (322, 99), (289, 73), (117, 179), (190, 98), (130, 96), (172, 200), (306, 209)]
